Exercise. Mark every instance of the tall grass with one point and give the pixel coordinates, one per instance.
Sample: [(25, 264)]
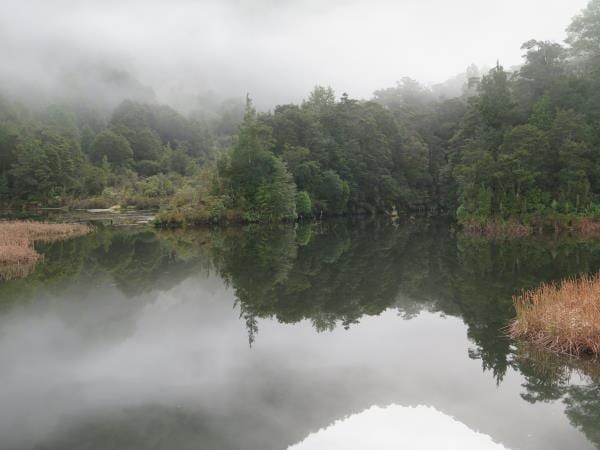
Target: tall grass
[(563, 317), (17, 253)]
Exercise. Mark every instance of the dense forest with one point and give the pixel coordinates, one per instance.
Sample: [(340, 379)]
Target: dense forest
[(515, 145)]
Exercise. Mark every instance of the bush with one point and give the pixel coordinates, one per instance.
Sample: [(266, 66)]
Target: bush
[(303, 204), (148, 168)]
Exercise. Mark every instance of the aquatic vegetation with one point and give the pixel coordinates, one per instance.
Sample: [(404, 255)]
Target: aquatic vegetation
[(18, 256), (563, 317)]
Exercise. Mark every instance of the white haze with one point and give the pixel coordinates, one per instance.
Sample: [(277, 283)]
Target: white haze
[(276, 50)]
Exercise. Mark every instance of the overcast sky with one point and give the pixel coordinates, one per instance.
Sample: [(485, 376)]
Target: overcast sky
[(274, 49)]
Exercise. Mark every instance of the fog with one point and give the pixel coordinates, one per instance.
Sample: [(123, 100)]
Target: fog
[(276, 50)]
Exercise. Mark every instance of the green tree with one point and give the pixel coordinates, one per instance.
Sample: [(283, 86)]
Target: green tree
[(583, 34), (474, 173), (522, 159), (9, 140), (303, 204), (495, 105), (543, 115), (570, 140), (65, 158), (114, 147), (320, 98), (332, 194), (31, 173), (544, 66), (145, 142), (255, 178), (87, 139)]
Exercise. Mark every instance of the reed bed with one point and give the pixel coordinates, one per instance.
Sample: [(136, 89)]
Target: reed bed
[(18, 256), (561, 317)]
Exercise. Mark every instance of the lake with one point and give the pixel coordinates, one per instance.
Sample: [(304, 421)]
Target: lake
[(299, 337)]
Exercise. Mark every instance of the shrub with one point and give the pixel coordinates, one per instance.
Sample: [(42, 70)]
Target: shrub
[(303, 204)]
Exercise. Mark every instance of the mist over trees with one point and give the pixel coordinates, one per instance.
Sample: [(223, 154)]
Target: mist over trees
[(519, 144)]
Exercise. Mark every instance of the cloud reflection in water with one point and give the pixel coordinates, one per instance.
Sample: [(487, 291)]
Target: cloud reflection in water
[(395, 427)]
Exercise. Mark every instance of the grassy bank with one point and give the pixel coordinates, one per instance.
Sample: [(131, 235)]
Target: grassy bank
[(563, 318), (17, 253)]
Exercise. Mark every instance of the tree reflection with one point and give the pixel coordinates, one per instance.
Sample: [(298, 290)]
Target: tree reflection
[(344, 272), (332, 274), (550, 377)]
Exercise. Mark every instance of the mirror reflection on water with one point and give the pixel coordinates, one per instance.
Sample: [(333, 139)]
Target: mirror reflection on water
[(267, 337)]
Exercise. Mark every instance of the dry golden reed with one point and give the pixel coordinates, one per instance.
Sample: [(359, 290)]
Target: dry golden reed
[(17, 253), (563, 318)]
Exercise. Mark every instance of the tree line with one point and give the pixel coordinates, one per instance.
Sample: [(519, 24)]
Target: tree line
[(53, 155), (519, 144)]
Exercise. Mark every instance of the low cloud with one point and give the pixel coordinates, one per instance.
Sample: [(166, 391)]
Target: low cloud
[(276, 50)]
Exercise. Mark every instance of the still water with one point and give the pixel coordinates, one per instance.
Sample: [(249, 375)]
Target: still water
[(340, 335)]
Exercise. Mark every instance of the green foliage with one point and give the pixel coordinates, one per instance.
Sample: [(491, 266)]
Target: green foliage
[(59, 153), (332, 193), (177, 160), (87, 139), (584, 36), (9, 140), (94, 180), (113, 147), (543, 115), (522, 158), (47, 166), (257, 180), (495, 107), (535, 158), (148, 168), (31, 175), (319, 99), (543, 69), (303, 204), (146, 145)]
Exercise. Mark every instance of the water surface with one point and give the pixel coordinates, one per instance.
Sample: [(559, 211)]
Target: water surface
[(267, 337)]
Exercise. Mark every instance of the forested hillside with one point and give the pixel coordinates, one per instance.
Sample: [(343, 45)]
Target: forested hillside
[(521, 145), (63, 153)]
